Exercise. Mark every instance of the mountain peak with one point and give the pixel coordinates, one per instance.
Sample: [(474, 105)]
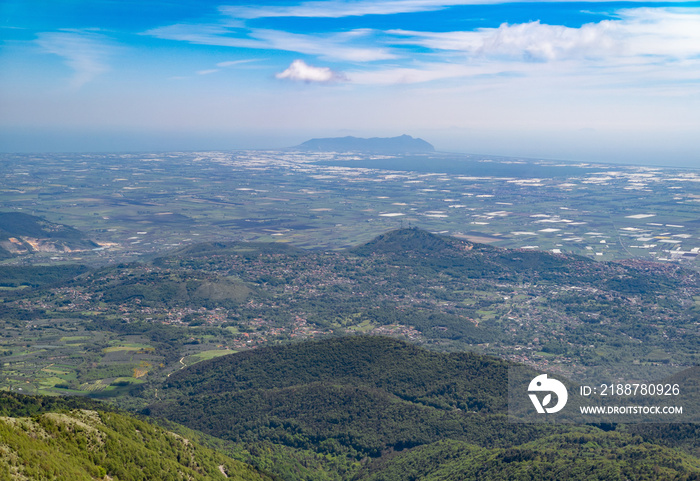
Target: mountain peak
[(412, 239), (401, 144)]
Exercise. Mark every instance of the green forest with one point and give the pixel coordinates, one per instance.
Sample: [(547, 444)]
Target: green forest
[(381, 407)]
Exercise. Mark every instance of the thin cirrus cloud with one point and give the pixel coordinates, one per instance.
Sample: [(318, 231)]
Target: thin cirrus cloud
[(340, 9), (83, 51), (301, 71), (226, 64), (231, 63), (332, 45)]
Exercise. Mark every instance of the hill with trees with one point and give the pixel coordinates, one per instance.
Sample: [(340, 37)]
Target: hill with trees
[(575, 455), (396, 408)]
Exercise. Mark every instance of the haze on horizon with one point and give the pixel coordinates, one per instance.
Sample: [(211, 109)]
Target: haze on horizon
[(585, 81)]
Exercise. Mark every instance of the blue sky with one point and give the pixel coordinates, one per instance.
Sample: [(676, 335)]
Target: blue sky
[(597, 81)]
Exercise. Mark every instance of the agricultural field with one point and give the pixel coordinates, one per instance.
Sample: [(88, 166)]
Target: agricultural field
[(40, 358), (135, 205), (55, 353)]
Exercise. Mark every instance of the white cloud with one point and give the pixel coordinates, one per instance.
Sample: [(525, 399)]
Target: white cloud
[(301, 71), (535, 41), (84, 52), (529, 41), (208, 71), (659, 46), (636, 32)]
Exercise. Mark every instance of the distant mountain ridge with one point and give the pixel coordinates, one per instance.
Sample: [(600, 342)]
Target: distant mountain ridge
[(402, 143)]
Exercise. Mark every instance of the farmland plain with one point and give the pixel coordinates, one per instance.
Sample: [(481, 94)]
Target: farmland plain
[(139, 204)]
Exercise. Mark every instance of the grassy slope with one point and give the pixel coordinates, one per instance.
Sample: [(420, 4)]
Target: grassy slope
[(84, 444)]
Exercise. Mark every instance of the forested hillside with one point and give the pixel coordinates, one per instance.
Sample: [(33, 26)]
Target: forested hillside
[(576, 455), (356, 399)]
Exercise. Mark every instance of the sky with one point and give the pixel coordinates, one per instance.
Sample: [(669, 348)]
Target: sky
[(614, 82)]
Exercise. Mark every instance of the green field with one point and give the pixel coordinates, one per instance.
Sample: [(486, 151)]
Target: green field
[(206, 355), (128, 347)]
